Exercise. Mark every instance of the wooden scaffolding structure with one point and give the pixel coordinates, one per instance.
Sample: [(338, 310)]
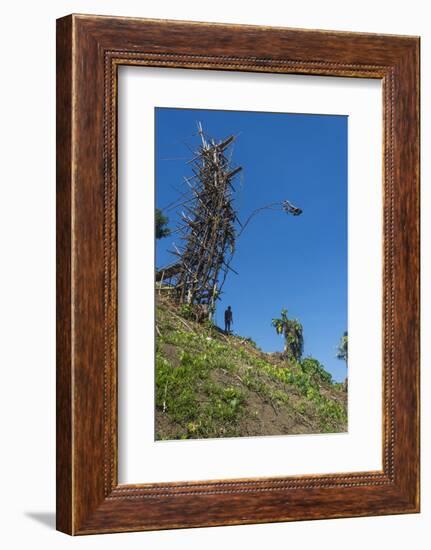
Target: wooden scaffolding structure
[(207, 227)]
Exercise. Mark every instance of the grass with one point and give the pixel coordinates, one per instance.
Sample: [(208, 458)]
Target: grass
[(211, 385)]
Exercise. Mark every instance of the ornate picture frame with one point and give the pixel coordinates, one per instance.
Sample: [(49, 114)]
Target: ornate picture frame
[(89, 51)]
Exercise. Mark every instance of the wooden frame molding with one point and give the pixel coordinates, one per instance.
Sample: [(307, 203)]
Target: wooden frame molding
[(89, 51)]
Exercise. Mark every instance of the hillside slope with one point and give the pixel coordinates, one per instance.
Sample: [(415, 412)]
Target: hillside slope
[(211, 385)]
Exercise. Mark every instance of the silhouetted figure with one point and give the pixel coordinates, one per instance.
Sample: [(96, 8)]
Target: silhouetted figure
[(228, 319)]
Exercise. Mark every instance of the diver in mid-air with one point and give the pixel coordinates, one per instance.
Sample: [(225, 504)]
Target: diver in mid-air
[(290, 209)]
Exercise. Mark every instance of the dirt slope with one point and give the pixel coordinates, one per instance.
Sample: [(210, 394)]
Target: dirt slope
[(212, 385)]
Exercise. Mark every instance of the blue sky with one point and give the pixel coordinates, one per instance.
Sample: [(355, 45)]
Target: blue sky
[(299, 263)]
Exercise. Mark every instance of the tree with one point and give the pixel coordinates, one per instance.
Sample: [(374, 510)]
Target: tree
[(342, 349), (342, 352), (291, 329), (161, 225)]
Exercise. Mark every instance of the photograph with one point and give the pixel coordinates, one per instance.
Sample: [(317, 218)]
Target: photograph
[(251, 273), (213, 311)]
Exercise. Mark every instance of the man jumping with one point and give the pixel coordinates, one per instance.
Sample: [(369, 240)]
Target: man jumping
[(228, 320)]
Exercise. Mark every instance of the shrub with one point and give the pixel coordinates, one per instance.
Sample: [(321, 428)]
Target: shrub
[(315, 369)]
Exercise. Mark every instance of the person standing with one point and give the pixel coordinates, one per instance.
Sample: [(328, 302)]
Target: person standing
[(228, 320)]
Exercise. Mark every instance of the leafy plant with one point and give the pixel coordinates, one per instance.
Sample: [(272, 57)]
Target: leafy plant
[(292, 331), (187, 311), (315, 369), (342, 353), (161, 225), (342, 350)]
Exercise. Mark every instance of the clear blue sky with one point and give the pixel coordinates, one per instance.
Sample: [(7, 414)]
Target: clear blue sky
[(299, 263)]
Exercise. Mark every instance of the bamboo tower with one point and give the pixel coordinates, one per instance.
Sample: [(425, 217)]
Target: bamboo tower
[(207, 227)]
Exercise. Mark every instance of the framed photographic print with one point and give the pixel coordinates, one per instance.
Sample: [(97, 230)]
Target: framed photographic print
[(237, 274)]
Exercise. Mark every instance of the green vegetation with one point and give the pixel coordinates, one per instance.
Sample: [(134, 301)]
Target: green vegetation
[(342, 353), (342, 350), (209, 384), (162, 229), (291, 329)]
